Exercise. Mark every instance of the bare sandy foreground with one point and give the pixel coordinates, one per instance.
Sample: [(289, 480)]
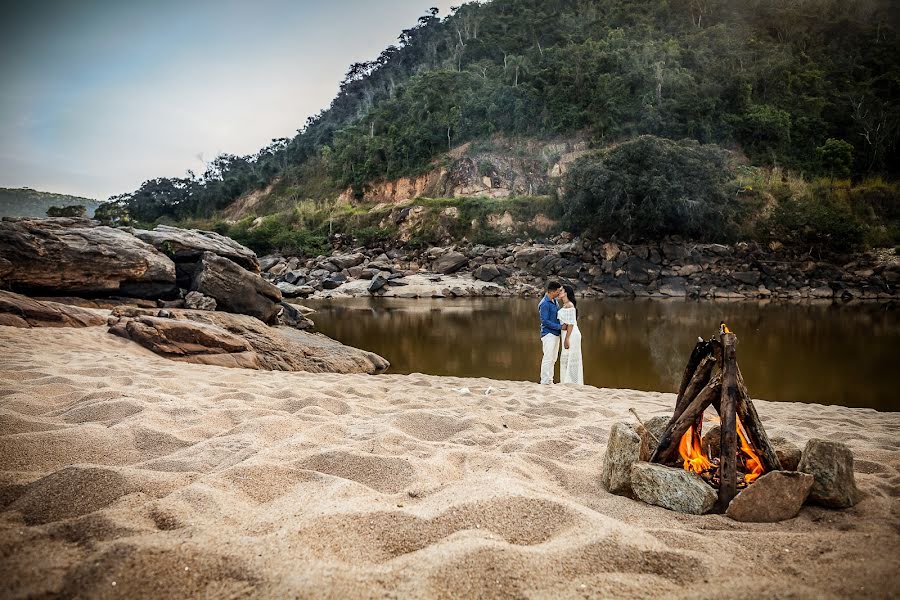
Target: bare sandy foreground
[(123, 474)]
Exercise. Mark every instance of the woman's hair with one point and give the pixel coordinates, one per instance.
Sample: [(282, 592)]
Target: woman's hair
[(570, 294)]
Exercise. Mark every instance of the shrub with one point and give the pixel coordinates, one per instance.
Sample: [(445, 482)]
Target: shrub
[(819, 223), (651, 187), (75, 210)]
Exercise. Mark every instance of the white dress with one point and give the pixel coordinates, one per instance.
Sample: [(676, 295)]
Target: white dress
[(571, 367)]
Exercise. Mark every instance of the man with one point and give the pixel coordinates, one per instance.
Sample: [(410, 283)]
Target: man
[(550, 331)]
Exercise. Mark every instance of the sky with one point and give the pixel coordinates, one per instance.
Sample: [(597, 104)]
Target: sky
[(97, 96)]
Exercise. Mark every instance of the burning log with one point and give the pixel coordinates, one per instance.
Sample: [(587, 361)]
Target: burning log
[(756, 434), (696, 374), (678, 426), (712, 378), (728, 411)]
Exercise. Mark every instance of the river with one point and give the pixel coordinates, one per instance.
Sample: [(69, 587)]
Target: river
[(813, 353)]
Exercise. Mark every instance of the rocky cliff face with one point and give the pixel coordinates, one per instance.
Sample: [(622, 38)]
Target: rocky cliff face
[(504, 169)]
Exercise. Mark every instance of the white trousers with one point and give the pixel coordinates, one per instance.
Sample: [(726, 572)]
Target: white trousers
[(550, 344)]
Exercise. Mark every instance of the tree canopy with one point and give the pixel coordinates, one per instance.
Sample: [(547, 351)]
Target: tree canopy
[(774, 79)]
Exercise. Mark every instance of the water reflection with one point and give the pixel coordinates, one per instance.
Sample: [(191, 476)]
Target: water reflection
[(828, 354)]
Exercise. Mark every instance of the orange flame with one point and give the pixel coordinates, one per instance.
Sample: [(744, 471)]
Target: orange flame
[(752, 461), (691, 452), (695, 460)]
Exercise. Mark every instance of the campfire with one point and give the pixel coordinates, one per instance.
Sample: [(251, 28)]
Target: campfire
[(743, 452)]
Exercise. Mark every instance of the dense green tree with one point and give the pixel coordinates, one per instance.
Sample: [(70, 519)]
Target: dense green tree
[(651, 187), (75, 210), (776, 79)]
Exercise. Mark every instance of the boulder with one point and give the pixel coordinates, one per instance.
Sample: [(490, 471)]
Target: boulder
[(609, 251), (334, 282), (789, 454), (748, 277), (640, 270), (624, 448), (449, 263), (529, 256), (675, 489), (673, 286), (653, 429), (236, 289), (267, 262), (775, 496), (223, 339), (293, 291), (20, 311), (62, 256), (379, 281), (294, 315), (189, 340), (486, 273), (831, 464), (197, 301), (189, 245), (345, 261)]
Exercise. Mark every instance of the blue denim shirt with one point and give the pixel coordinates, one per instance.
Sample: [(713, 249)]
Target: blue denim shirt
[(549, 321)]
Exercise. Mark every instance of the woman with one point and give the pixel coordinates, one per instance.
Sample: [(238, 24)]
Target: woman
[(571, 369)]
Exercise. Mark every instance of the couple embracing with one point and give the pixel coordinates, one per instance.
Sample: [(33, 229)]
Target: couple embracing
[(559, 327)]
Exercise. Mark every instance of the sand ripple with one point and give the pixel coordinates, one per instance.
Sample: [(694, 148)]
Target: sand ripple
[(125, 475)]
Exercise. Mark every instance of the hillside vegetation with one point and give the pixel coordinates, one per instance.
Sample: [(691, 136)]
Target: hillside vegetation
[(799, 97), (26, 202)]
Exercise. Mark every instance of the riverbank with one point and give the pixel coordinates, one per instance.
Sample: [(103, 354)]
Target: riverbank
[(125, 474), (669, 269)]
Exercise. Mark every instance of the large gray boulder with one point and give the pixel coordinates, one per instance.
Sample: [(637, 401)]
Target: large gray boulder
[(775, 496), (62, 256), (188, 245), (450, 263), (236, 289), (346, 261), (831, 464), (624, 448), (486, 273), (672, 488)]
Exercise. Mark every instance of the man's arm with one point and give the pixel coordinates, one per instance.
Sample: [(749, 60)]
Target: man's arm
[(546, 321)]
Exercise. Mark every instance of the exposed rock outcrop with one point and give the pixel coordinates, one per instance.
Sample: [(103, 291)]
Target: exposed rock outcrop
[(188, 245), (235, 289), (235, 340), (20, 311), (58, 256)]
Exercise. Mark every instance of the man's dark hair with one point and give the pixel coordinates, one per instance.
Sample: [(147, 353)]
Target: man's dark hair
[(553, 285)]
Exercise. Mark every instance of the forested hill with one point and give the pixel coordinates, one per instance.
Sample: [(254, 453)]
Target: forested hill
[(771, 78), (26, 202)]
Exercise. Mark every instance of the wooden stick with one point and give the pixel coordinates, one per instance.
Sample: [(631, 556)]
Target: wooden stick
[(701, 378), (675, 430), (650, 433), (728, 412), (754, 429), (701, 350)]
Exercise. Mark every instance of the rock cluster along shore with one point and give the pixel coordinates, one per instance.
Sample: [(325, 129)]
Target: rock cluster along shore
[(83, 262), (188, 295), (671, 268)]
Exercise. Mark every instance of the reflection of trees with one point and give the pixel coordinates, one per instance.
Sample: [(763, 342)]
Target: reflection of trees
[(808, 353)]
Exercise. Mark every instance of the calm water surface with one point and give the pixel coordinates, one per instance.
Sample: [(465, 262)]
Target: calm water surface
[(827, 354)]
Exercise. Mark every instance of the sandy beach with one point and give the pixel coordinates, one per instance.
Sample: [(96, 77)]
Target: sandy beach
[(126, 475)]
